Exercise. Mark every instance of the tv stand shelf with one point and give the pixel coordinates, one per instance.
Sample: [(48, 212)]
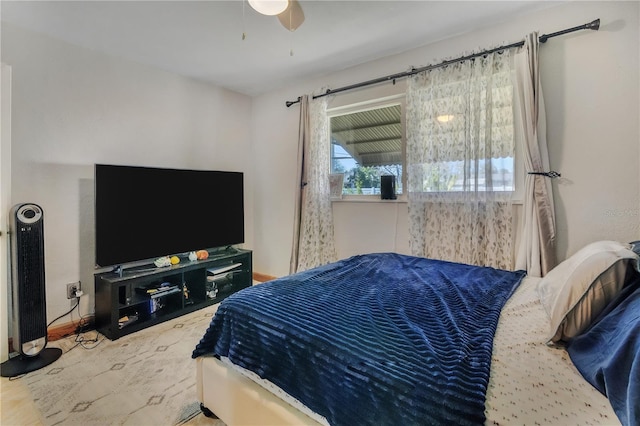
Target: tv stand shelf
[(136, 299)]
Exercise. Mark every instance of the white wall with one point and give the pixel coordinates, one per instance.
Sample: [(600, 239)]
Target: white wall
[(73, 107), (5, 205), (590, 81)]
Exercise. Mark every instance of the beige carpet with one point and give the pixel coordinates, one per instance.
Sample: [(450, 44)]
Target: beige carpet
[(145, 378)]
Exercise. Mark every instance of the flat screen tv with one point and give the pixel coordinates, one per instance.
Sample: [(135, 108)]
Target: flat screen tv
[(148, 212)]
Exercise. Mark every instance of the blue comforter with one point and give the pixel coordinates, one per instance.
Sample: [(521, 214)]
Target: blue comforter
[(373, 339), (608, 354)]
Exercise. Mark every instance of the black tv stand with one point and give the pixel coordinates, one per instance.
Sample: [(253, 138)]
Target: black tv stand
[(123, 272), (131, 300)]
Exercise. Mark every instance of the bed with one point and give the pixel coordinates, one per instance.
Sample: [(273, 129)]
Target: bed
[(392, 339)]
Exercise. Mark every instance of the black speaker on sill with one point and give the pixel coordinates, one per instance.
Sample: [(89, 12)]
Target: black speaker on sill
[(388, 187), (28, 293)]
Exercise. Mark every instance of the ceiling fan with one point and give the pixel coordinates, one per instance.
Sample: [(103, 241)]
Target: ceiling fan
[(289, 12)]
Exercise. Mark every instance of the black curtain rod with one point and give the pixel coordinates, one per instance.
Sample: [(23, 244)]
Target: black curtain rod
[(593, 25)]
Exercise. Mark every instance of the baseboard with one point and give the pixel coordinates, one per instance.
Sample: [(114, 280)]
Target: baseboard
[(64, 330), (257, 276)]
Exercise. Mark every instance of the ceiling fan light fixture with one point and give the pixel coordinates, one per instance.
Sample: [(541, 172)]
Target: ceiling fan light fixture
[(269, 7)]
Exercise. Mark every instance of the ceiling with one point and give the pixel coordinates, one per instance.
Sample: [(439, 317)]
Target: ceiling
[(203, 39)]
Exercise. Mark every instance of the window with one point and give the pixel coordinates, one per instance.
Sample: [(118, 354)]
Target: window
[(368, 142)]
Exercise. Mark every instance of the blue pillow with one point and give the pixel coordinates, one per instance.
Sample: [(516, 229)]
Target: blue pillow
[(608, 353)]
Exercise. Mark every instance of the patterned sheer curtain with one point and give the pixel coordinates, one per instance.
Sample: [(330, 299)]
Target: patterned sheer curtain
[(313, 243), (460, 161)]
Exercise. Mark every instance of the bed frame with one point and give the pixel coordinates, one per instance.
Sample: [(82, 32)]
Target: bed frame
[(236, 399), (560, 395)]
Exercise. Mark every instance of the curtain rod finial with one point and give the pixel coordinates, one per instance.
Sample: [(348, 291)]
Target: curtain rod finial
[(593, 25), (289, 103)]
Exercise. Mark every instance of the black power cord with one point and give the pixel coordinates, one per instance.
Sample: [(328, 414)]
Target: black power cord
[(79, 339), (67, 313)]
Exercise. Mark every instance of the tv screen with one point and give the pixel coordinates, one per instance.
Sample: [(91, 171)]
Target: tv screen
[(146, 212)]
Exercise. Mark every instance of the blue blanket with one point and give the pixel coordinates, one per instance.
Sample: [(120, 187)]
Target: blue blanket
[(608, 354), (373, 339)]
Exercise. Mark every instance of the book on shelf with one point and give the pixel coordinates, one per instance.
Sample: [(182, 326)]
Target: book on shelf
[(127, 319)]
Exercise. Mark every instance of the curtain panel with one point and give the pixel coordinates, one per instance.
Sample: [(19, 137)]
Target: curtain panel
[(313, 242), (460, 159), (303, 142), (537, 250)]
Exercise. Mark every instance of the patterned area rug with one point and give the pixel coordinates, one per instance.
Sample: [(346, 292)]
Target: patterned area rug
[(145, 378)]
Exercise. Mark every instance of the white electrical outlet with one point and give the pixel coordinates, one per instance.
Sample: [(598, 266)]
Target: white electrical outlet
[(73, 289)]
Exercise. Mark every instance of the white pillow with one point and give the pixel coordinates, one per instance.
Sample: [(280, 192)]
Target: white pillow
[(578, 289)]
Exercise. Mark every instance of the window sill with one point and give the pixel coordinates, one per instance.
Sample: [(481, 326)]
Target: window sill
[(377, 199), (367, 199)]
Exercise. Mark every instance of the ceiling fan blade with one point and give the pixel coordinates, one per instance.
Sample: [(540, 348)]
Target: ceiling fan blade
[(292, 17)]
